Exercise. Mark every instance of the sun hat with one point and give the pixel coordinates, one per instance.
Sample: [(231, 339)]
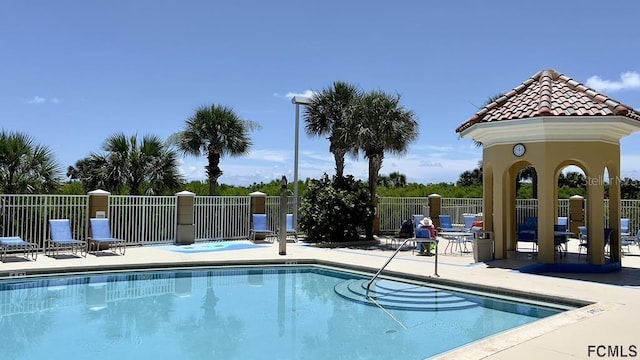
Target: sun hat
[(426, 221)]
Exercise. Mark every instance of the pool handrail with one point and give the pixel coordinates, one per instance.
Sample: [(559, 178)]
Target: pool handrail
[(394, 255)]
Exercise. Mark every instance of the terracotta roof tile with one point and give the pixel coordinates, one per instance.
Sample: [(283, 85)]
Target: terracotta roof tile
[(549, 93)]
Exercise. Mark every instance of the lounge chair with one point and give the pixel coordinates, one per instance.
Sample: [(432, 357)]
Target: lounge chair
[(259, 227), (445, 223), (101, 237), (12, 243), (291, 230), (62, 239)]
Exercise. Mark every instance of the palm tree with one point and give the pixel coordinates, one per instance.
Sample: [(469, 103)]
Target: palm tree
[(528, 173), (215, 131), (149, 166), (384, 180), (397, 179), (380, 124), (328, 112), (26, 167), (471, 177)]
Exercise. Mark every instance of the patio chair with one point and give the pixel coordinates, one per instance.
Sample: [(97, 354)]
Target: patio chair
[(423, 236), (528, 232), (101, 237), (469, 219), (62, 239), (636, 239), (627, 241), (445, 223), (584, 239), (291, 230), (560, 240), (563, 223), (13, 243), (624, 229), (259, 227)]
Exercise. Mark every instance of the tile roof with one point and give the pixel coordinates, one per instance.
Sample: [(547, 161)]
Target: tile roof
[(549, 93)]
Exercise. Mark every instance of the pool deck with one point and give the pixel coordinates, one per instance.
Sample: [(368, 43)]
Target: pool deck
[(608, 325)]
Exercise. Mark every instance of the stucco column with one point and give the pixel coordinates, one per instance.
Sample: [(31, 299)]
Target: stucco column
[(185, 216), (435, 209), (98, 208), (509, 209), (595, 219), (98, 203), (546, 213), (615, 250), (497, 217)]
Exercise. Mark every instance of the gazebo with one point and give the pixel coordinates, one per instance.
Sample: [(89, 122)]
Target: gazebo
[(551, 121)]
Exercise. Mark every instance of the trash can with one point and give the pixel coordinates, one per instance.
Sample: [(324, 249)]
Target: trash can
[(482, 245)]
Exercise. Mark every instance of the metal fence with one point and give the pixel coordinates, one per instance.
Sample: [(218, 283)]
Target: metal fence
[(221, 217), (392, 210), (141, 220), (28, 216)]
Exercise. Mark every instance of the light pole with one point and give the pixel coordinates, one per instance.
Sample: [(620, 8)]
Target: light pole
[(298, 100)]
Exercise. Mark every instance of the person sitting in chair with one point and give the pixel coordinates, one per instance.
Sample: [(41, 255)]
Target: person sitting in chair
[(406, 229), (427, 224)]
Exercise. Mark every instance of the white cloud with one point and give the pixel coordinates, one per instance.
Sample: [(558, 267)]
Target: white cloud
[(269, 155), (628, 80), (306, 93), (37, 100), (42, 100)]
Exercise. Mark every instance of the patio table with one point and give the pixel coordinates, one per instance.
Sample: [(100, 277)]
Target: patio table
[(460, 239)]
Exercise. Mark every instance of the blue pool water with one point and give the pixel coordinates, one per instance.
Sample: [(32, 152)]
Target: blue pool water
[(242, 313), (210, 246)]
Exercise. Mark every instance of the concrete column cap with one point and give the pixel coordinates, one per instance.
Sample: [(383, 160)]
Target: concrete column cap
[(99, 192), (435, 195), (185, 193), (257, 193), (576, 197)]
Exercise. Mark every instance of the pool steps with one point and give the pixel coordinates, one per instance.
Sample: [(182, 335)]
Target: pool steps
[(402, 296)]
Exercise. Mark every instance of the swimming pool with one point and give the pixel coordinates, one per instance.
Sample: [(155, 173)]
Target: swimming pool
[(279, 312)]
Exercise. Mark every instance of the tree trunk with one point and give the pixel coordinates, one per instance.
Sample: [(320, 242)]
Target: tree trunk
[(213, 172), (375, 163)]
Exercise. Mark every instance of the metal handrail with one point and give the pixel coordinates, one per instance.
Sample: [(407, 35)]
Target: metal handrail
[(387, 263), (396, 253)]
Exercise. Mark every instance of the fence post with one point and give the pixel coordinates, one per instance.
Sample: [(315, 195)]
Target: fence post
[(257, 206), (185, 215), (435, 209), (576, 213), (98, 204)]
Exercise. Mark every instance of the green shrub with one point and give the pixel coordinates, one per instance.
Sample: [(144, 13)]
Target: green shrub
[(335, 209)]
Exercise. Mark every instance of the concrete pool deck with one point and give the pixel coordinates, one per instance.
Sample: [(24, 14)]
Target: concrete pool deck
[(603, 329)]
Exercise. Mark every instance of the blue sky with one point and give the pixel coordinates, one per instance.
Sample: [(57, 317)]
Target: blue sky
[(74, 72)]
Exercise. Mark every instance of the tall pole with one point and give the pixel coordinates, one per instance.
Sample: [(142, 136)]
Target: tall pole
[(298, 100), (295, 170)]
